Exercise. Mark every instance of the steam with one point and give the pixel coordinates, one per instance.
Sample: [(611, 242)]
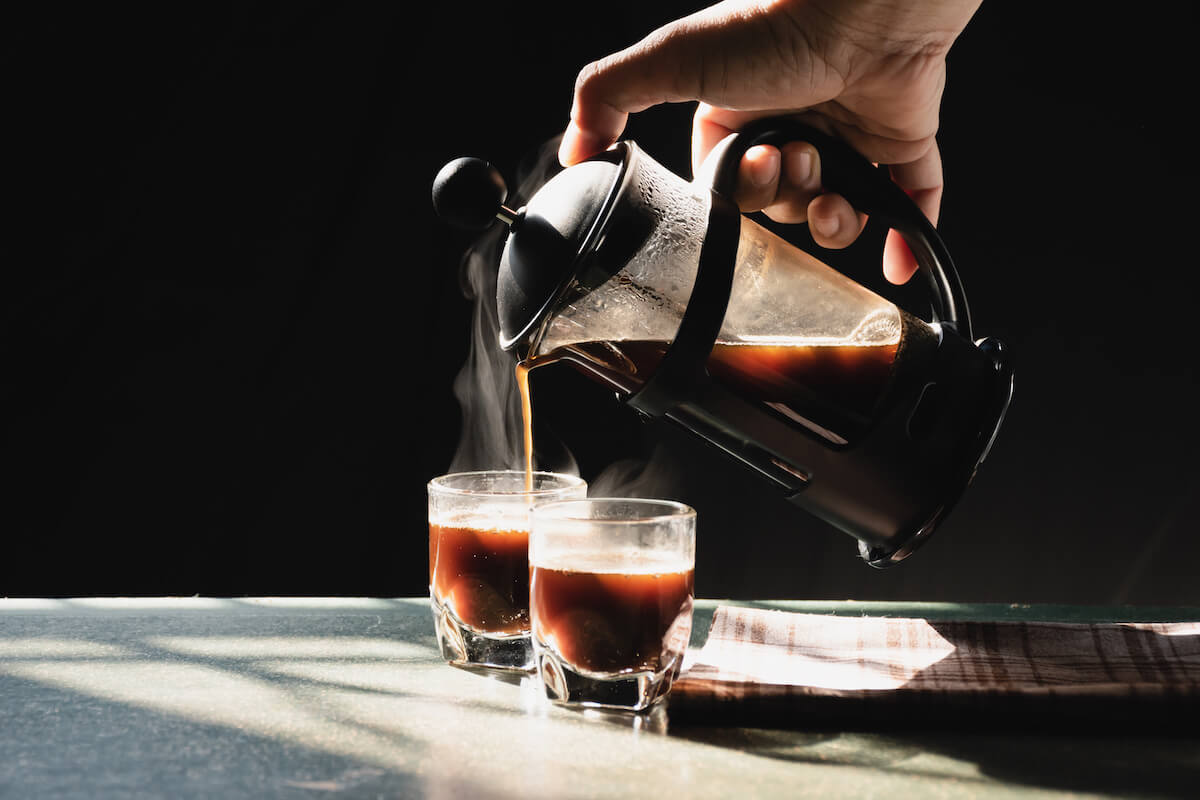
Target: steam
[(658, 476), (486, 385)]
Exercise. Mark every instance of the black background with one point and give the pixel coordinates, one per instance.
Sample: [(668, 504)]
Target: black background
[(231, 321)]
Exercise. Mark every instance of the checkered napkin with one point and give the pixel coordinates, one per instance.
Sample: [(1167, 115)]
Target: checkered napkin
[(808, 667)]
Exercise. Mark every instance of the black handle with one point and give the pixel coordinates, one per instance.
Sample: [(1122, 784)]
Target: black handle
[(869, 189)]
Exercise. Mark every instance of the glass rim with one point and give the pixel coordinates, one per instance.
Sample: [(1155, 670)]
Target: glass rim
[(674, 510), (566, 481)]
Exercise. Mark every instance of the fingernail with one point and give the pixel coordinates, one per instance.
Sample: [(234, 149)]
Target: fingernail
[(899, 263), (800, 168), (567, 145), (764, 164), (827, 226)]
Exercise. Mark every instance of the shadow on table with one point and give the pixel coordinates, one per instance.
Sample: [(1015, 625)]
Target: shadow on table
[(1144, 766), (1144, 743)]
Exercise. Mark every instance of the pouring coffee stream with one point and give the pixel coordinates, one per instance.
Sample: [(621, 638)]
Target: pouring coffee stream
[(863, 414)]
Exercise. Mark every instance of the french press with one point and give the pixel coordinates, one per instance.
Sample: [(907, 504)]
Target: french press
[(865, 415)]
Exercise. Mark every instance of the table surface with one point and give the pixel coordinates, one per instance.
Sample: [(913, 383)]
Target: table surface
[(317, 697)]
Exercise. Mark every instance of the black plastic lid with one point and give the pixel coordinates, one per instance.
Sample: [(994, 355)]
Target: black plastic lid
[(570, 237)]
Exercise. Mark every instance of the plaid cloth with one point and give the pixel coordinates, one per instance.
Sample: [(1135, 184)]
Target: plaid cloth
[(794, 667)]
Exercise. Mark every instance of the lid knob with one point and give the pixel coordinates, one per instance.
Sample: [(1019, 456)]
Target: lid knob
[(469, 193)]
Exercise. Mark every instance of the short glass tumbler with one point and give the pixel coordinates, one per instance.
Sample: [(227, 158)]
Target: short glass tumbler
[(611, 593), (479, 526)]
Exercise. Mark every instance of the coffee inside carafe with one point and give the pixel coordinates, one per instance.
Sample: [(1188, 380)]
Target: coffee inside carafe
[(834, 386), (797, 337)]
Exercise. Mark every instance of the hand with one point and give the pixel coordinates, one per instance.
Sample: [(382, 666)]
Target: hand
[(869, 71)]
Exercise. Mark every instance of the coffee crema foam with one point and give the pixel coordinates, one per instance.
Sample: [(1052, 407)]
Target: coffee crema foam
[(486, 520), (613, 563)]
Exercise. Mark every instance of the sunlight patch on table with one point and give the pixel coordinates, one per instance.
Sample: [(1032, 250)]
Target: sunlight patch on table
[(341, 648), (37, 647)]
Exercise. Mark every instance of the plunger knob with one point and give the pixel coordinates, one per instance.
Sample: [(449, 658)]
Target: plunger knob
[(470, 193)]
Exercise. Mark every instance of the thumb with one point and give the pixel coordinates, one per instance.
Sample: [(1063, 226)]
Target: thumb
[(684, 60)]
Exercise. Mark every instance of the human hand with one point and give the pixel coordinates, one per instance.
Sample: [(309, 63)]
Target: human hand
[(869, 71)]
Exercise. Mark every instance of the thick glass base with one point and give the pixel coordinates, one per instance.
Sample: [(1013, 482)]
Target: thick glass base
[(464, 647), (626, 691)]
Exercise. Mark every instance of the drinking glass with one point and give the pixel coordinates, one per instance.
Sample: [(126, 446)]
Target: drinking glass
[(611, 594), (479, 562)]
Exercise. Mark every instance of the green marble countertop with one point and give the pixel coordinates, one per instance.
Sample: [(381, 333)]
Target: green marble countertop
[(346, 697)]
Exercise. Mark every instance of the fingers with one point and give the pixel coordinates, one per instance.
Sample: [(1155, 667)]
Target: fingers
[(899, 263), (785, 184), (794, 195), (758, 178), (711, 124), (922, 181), (779, 181), (833, 222), (578, 143)]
